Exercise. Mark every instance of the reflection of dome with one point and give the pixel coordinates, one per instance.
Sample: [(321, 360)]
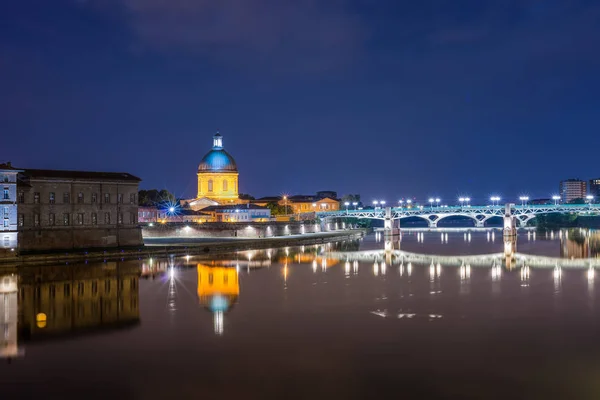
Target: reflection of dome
[(217, 161), (218, 287)]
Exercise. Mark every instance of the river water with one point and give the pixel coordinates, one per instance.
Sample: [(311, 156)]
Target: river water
[(345, 320)]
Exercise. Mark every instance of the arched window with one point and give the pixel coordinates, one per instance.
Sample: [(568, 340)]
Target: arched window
[(224, 185), (210, 185)]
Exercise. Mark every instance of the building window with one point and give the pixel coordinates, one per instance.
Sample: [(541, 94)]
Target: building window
[(36, 198), (66, 219), (36, 219), (6, 194), (52, 197), (119, 218), (6, 223), (5, 212), (21, 198), (224, 185), (120, 198), (80, 198), (107, 218), (94, 219), (51, 219), (94, 198), (80, 219), (210, 185), (106, 198), (132, 198), (66, 197), (21, 220)]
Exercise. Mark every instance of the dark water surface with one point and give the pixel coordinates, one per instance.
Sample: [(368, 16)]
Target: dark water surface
[(333, 321)]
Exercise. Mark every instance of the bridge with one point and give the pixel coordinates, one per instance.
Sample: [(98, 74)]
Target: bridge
[(520, 214)]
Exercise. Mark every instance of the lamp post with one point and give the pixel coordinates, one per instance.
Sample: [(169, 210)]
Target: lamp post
[(495, 200), (437, 201), (523, 200), (589, 199), (346, 204), (462, 201), (285, 202), (556, 199), (375, 203), (355, 204), (431, 202), (382, 203), (408, 203), (468, 200), (400, 202)]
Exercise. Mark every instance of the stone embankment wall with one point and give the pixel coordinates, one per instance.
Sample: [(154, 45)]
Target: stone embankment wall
[(228, 230)]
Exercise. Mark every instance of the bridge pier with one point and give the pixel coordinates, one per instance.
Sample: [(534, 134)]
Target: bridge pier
[(388, 224), (433, 224), (480, 224), (510, 222)]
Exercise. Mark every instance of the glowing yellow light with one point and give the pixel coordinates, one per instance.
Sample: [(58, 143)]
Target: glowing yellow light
[(40, 320)]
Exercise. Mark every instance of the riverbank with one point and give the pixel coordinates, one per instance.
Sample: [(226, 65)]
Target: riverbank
[(183, 246)]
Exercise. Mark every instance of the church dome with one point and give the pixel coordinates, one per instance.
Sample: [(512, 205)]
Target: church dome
[(217, 160)]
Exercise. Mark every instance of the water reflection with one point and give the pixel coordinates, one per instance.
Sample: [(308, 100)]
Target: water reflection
[(54, 301), (218, 291)]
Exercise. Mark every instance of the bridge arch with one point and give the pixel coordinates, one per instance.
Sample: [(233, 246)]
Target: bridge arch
[(458, 217)]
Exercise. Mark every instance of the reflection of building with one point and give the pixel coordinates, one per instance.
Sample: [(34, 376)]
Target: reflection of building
[(572, 189), (218, 291), (8, 316), (574, 244), (65, 299)]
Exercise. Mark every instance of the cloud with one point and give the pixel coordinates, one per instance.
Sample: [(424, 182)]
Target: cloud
[(305, 34)]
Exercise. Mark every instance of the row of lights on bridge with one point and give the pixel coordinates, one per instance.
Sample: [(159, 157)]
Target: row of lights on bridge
[(462, 200)]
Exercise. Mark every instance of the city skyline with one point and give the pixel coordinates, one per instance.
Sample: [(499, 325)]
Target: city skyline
[(390, 101)]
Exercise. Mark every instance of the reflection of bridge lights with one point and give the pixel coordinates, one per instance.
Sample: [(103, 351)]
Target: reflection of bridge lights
[(496, 272), (591, 273), (347, 268), (401, 269), (355, 267), (438, 269), (557, 273), (218, 322), (432, 270), (375, 269), (314, 266), (383, 268), (525, 273), (409, 269), (324, 265)]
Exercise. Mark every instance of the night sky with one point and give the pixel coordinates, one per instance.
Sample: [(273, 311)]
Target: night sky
[(383, 98)]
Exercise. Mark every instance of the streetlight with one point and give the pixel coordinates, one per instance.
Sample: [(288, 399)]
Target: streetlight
[(523, 199), (468, 200), (437, 201), (355, 204), (431, 202), (556, 199), (382, 202), (408, 203), (462, 201), (346, 204), (400, 202), (495, 200), (171, 209), (285, 202), (375, 202), (589, 199)]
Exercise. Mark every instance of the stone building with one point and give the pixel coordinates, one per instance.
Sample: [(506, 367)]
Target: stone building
[(8, 204), (61, 210), (217, 178)]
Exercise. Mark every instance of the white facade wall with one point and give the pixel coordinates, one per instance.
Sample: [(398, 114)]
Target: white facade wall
[(8, 208)]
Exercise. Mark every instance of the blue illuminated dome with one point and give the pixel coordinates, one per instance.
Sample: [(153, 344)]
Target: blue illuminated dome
[(217, 160)]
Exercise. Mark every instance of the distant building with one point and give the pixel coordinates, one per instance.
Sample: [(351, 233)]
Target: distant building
[(300, 204), (594, 188), (61, 210), (217, 177), (241, 213), (154, 214), (327, 193), (572, 189)]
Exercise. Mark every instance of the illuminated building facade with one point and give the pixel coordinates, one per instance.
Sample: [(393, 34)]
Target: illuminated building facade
[(8, 210), (241, 213), (304, 204), (572, 189), (217, 177)]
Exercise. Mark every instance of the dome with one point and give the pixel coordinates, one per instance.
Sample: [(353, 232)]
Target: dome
[(217, 160)]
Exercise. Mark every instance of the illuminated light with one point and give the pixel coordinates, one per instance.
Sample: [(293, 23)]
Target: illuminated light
[(324, 264), (432, 270), (40, 320), (355, 267), (314, 266), (383, 268), (375, 269), (347, 268), (171, 209), (557, 273), (439, 269), (401, 269), (171, 273), (150, 224), (409, 268), (591, 273)]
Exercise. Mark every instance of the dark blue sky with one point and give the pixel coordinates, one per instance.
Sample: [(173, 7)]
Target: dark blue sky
[(383, 98)]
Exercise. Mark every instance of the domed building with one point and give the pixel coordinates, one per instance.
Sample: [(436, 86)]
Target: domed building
[(218, 175)]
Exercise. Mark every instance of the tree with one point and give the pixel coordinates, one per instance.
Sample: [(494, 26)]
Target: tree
[(351, 198), (153, 197), (245, 196), (579, 200), (276, 209)]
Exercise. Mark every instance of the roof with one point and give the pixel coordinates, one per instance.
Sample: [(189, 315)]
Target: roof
[(8, 166), (306, 199), (235, 207), (217, 160), (85, 175)]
